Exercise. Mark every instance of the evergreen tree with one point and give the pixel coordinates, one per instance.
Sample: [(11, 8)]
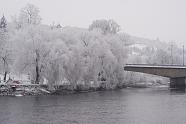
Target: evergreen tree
[(58, 26), (3, 23)]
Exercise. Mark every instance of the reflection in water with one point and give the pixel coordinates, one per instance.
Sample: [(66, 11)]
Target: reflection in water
[(127, 106), (177, 91)]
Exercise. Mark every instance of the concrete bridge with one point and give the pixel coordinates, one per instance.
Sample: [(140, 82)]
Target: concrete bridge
[(176, 73)]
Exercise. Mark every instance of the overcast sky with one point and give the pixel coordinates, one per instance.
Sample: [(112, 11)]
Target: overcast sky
[(165, 19)]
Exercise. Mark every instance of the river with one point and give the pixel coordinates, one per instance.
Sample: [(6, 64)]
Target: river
[(126, 106)]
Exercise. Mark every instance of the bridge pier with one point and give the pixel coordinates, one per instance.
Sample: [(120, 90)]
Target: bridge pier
[(177, 83)]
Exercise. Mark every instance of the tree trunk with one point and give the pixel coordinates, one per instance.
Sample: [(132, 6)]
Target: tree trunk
[(37, 74), (5, 74), (37, 68)]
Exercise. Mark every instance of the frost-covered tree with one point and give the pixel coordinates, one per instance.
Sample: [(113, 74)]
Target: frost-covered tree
[(3, 30), (70, 54), (29, 15), (106, 26), (53, 70), (32, 50), (5, 49), (73, 66), (162, 57)]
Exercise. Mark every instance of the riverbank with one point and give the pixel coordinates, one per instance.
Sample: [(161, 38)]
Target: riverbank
[(24, 90)]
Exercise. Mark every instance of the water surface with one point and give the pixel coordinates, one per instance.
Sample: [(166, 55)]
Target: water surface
[(127, 106)]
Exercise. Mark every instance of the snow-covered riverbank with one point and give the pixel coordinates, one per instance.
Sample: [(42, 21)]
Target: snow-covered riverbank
[(22, 90), (61, 90)]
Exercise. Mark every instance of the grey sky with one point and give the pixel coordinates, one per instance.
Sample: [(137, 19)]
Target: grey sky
[(165, 19)]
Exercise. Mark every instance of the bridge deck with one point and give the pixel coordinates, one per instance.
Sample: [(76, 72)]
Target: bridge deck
[(156, 66), (172, 71)]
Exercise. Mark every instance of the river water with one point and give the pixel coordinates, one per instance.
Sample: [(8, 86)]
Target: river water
[(126, 106)]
